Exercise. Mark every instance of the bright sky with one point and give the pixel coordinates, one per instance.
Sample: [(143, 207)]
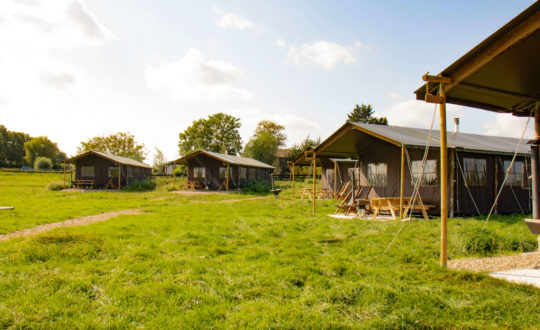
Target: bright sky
[(74, 69)]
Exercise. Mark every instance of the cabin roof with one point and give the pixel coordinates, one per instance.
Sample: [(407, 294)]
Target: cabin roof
[(234, 160), (117, 159)]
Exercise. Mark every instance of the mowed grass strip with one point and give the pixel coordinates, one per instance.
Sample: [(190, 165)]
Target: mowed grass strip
[(258, 263)]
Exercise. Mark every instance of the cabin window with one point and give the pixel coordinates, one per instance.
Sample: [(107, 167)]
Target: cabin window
[(252, 173), (87, 171), (113, 172), (330, 176), (475, 171), (515, 176), (223, 171), (377, 174), (429, 176), (242, 173), (199, 172)]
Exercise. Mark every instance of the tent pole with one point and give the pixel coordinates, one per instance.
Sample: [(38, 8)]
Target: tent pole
[(452, 181), (293, 180), (402, 181), (335, 180), (227, 178), (119, 176), (444, 178), (174, 177), (314, 179), (64, 164), (535, 166)]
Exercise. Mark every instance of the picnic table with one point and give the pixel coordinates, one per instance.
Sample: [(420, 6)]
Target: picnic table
[(307, 191), (392, 204), (84, 183), (192, 185)]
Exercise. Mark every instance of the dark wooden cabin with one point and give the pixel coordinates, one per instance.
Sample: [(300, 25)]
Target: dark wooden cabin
[(478, 165), (96, 169), (210, 169)]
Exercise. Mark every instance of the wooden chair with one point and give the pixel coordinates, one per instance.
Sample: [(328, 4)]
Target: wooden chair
[(349, 203)]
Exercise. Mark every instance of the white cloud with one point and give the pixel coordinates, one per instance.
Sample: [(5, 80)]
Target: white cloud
[(323, 53), (414, 113), (45, 25), (280, 43), (230, 20), (196, 78), (394, 95), (507, 125)]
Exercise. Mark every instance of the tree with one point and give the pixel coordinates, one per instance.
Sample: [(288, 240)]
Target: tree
[(218, 133), (298, 148), (12, 147), (159, 161), (268, 137), (364, 114), (39, 147), (119, 144), (43, 163)]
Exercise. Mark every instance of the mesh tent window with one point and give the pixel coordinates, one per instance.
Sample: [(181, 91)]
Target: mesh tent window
[(87, 171), (199, 172), (429, 177), (475, 171), (515, 176), (377, 174)]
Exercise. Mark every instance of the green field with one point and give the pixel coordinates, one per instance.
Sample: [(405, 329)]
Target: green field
[(192, 261)]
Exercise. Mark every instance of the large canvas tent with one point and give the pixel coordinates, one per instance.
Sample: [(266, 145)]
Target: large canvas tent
[(215, 170), (106, 170), (500, 74), (479, 163)]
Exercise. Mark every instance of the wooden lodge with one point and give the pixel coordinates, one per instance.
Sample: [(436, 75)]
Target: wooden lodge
[(215, 171), (94, 169), (390, 157)]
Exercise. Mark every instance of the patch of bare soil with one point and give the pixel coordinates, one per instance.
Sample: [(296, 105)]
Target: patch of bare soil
[(82, 221), (529, 260)]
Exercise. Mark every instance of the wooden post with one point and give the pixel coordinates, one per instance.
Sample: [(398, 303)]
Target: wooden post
[(535, 166), (335, 180), (444, 180), (119, 177), (314, 179), (227, 178), (452, 181), (402, 182), (64, 163), (496, 187), (293, 180), (71, 175), (173, 177)]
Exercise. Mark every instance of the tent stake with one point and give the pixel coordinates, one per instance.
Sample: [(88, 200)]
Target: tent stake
[(444, 179)]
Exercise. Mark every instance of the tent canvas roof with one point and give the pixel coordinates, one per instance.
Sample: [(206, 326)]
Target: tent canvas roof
[(502, 72), (234, 160), (117, 159)]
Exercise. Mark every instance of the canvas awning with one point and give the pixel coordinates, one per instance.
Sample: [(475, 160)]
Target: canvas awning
[(501, 73)]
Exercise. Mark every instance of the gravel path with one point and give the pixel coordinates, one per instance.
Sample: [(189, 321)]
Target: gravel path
[(68, 223), (529, 260)]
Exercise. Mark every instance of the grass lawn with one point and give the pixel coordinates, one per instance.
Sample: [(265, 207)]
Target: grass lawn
[(191, 261)]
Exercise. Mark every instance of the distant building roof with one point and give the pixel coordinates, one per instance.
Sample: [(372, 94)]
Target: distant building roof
[(117, 159), (235, 160)]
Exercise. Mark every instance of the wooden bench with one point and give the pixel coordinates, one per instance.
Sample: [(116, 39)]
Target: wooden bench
[(192, 185), (84, 183), (391, 204)]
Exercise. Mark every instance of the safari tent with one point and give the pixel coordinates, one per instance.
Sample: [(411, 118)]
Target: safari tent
[(214, 170), (380, 154), (94, 169)]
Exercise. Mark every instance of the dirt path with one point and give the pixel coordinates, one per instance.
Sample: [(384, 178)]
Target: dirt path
[(233, 200), (529, 260), (69, 223)]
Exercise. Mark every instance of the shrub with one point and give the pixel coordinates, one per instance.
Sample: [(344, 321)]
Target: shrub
[(474, 242), (141, 185), (55, 186), (258, 186), (43, 163)]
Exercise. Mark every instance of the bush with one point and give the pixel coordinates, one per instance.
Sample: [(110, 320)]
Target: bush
[(141, 185), (474, 242), (43, 163), (56, 185), (258, 186)]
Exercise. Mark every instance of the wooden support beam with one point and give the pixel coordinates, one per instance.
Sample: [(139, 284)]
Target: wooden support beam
[(227, 178), (64, 174), (444, 182), (119, 177), (293, 180), (335, 180), (430, 98), (436, 79), (402, 182), (314, 179), (452, 181)]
